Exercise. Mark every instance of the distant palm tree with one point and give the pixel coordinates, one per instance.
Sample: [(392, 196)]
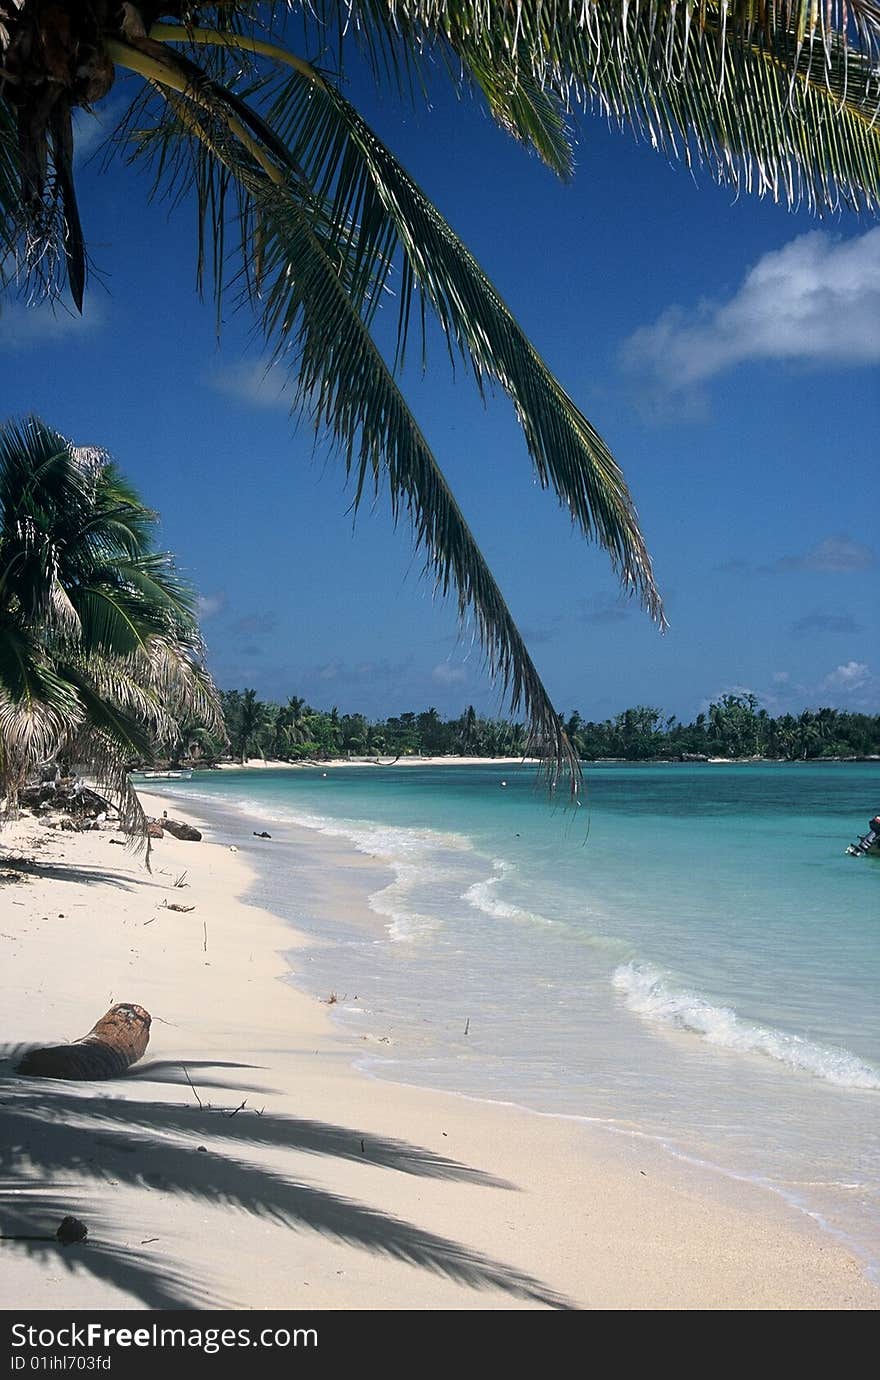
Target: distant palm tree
[(100, 652), (252, 718), (778, 99), (469, 739)]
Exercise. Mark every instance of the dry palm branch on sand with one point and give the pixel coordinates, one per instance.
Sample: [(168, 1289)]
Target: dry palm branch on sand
[(243, 106)]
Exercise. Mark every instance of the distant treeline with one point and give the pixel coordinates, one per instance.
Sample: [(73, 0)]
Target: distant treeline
[(733, 727)]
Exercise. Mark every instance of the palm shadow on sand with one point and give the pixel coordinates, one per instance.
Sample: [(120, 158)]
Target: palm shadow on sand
[(59, 1143)]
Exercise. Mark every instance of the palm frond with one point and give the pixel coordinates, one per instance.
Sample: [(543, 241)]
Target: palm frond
[(106, 758), (371, 189), (37, 706), (780, 99), (349, 392)]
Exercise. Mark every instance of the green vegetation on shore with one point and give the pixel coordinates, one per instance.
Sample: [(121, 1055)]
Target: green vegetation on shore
[(733, 727)]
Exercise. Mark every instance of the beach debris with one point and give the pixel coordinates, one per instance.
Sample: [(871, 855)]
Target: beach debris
[(467, 1025), (235, 1110), (233, 848), (205, 934), (187, 833), (331, 1000), (262, 835), (363, 1147), (195, 1094), (67, 794), (174, 905), (113, 1044), (71, 1230), (155, 830), (181, 880)]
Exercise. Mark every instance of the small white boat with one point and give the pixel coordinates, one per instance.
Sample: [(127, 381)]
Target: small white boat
[(185, 774)]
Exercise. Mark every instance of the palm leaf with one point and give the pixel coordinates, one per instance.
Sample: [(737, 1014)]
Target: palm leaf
[(780, 99), (347, 389)]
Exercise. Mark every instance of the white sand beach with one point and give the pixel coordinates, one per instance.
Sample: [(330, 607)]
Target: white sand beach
[(246, 1163)]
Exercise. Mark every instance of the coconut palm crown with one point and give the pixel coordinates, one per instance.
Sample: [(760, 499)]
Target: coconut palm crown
[(100, 652), (310, 217)]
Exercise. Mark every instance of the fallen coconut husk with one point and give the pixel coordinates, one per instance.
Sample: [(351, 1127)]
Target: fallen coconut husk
[(187, 832), (116, 1042)]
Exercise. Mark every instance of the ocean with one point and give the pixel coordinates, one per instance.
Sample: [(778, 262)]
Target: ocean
[(689, 956)]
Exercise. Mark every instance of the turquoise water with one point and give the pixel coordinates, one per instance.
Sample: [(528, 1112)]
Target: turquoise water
[(689, 956)]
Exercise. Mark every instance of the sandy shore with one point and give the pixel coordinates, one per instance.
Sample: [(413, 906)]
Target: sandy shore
[(246, 1163)]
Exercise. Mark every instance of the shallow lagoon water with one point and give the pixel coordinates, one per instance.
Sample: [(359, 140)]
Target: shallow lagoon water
[(690, 955)]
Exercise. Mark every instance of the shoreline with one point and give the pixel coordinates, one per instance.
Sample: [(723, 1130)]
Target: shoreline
[(332, 763), (397, 1200)]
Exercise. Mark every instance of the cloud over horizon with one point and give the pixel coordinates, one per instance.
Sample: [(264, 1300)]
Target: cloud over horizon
[(814, 301)]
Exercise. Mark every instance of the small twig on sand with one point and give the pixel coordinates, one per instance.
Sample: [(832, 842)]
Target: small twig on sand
[(467, 1025), (192, 1085), (241, 1106), (205, 940)]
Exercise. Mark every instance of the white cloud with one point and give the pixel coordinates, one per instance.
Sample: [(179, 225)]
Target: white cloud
[(852, 675), (815, 301), (24, 327), (255, 383), (209, 605), (835, 555), (446, 673)]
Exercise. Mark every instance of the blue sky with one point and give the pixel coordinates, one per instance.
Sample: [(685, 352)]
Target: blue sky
[(727, 350)]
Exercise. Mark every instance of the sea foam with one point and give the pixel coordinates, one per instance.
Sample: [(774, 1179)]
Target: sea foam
[(649, 993), (483, 896)]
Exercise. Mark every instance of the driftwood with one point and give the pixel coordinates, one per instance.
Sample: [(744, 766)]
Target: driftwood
[(186, 832), (117, 1041)]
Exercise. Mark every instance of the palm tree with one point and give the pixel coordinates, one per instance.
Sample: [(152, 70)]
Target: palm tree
[(469, 737), (252, 717), (100, 653), (778, 99)]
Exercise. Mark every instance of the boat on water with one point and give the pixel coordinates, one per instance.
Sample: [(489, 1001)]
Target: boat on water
[(868, 843), (184, 774)]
